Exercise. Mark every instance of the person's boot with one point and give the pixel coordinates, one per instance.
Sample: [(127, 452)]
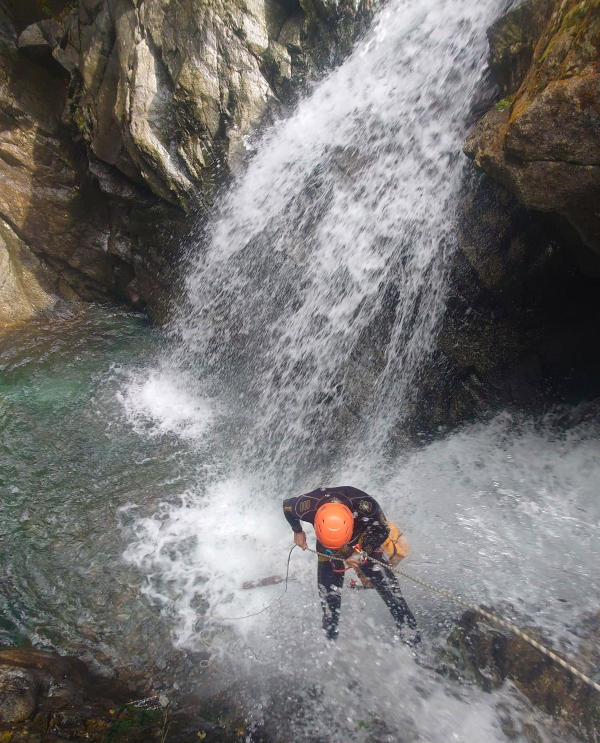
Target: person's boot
[(331, 630)]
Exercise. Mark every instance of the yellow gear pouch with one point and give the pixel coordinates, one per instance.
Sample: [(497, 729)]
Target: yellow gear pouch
[(395, 547)]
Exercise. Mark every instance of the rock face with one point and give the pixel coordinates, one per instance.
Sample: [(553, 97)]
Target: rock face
[(489, 657), (170, 89), (523, 303), (60, 232), (48, 698), (542, 141), (117, 117), (21, 292)]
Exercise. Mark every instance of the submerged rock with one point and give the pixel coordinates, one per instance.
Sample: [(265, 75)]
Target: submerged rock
[(18, 695)]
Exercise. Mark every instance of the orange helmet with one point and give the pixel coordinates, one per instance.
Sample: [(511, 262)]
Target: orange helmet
[(334, 525)]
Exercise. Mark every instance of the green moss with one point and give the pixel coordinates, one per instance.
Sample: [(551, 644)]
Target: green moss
[(581, 27), (575, 15), (57, 10), (504, 104), (134, 724), (80, 121)]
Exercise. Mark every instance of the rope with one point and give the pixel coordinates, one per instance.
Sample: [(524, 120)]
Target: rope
[(278, 598), (490, 617)]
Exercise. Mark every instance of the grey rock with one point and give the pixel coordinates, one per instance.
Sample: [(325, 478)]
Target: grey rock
[(121, 116), (169, 90), (18, 692)]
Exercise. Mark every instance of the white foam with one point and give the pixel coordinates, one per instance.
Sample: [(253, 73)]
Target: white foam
[(503, 513), (204, 548), (158, 401)]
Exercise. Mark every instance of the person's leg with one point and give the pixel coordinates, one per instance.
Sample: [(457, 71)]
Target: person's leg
[(330, 592), (387, 586)]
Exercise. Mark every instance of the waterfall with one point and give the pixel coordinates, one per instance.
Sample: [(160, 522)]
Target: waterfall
[(316, 299)]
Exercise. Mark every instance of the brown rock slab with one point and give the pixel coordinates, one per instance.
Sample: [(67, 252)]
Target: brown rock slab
[(490, 656), (543, 140)]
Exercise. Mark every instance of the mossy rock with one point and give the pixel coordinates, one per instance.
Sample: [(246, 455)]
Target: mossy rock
[(488, 657), (513, 39)]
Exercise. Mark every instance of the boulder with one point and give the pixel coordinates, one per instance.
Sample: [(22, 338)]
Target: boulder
[(542, 140), (488, 657)]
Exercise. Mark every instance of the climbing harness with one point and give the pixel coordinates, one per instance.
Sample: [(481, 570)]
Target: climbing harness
[(331, 556), (490, 617)]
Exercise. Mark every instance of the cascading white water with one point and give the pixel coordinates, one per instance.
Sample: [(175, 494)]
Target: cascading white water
[(309, 313), (320, 288)]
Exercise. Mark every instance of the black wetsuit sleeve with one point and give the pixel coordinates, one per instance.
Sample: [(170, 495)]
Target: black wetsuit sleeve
[(302, 508), (289, 511)]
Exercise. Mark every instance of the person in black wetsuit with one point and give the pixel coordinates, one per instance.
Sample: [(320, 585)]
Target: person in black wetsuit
[(349, 521)]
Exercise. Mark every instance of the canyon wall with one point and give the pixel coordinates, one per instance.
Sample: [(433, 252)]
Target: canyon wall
[(119, 117)]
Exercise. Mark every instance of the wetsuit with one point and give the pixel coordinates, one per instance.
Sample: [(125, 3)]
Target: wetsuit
[(370, 531)]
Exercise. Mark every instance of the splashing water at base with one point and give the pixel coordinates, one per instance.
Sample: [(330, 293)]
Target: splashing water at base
[(503, 513)]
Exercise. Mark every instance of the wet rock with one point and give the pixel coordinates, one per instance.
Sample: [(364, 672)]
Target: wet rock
[(18, 692), (520, 316), (513, 39), (488, 657), (21, 291), (39, 39), (47, 698), (167, 92), (541, 140), (62, 236), (117, 117)]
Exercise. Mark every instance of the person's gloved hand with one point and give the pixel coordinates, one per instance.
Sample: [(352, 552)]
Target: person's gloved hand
[(300, 539), (356, 560)]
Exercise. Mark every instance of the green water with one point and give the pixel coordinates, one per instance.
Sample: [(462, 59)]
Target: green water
[(69, 461)]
